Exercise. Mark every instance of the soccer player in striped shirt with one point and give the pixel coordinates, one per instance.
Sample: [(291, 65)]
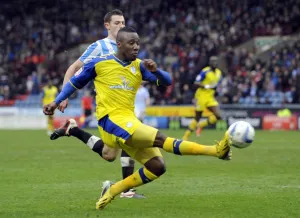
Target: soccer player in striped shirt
[(113, 22)]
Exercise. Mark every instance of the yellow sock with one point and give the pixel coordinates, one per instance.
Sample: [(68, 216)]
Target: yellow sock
[(140, 177), (50, 124), (212, 119), (180, 147), (191, 128)]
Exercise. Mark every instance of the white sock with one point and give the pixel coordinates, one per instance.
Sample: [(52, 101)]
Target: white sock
[(92, 141)]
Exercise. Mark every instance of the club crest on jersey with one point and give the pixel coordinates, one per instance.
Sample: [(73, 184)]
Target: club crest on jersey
[(133, 70)]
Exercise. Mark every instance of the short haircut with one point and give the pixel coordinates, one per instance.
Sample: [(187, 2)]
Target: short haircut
[(126, 29), (107, 17)]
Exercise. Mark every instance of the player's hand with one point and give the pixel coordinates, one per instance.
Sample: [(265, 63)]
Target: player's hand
[(63, 105), (150, 65), (50, 108)]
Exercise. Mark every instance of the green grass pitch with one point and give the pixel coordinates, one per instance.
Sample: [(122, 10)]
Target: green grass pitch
[(63, 178)]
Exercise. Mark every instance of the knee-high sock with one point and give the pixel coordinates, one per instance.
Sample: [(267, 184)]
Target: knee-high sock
[(180, 147), (212, 119), (191, 128), (138, 178), (127, 164)]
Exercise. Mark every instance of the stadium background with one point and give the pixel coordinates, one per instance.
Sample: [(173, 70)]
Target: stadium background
[(258, 45)]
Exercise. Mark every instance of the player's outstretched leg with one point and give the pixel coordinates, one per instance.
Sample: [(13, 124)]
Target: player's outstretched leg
[(154, 168), (220, 149), (70, 128)]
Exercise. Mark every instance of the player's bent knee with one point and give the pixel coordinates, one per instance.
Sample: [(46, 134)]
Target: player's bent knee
[(159, 140), (156, 165), (109, 154), (108, 157)]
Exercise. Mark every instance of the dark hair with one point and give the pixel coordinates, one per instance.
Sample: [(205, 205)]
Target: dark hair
[(107, 17), (126, 29)]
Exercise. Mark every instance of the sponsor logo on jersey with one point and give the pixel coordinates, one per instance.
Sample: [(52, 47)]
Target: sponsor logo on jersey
[(125, 85)]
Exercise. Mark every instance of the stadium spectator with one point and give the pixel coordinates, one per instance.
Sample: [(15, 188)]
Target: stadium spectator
[(184, 36)]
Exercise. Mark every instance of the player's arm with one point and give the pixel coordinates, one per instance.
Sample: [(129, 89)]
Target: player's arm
[(151, 73), (84, 58), (200, 78), (72, 70), (76, 82)]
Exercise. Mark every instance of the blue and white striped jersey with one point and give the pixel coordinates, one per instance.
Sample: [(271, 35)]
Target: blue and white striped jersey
[(101, 47)]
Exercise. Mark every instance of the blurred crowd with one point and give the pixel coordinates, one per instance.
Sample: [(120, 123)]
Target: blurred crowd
[(179, 35), (252, 81)]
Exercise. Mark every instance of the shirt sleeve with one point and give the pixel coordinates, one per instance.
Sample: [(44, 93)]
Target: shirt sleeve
[(201, 76), (79, 80), (91, 52), (82, 77), (147, 75), (159, 77)]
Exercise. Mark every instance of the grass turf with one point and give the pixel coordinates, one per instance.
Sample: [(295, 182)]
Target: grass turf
[(63, 178)]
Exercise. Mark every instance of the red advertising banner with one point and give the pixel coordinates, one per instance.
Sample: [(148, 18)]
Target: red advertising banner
[(272, 122)]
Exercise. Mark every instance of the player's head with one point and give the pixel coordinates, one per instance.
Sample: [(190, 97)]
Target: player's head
[(113, 22), (213, 62), (50, 83), (128, 42)]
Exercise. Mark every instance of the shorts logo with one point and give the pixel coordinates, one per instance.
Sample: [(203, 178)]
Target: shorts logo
[(133, 70), (129, 124)]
